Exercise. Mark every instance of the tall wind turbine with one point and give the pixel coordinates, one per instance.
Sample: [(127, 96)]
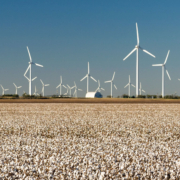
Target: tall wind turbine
[(3, 90), (16, 88), (76, 89), (129, 84), (29, 68), (88, 76), (141, 90), (70, 89), (66, 89), (137, 47), (43, 85), (60, 85), (99, 87), (112, 83), (163, 68)]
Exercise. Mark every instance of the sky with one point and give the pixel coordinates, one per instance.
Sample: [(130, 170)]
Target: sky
[(64, 36)]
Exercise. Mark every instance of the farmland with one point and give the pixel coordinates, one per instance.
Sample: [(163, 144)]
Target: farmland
[(89, 141)]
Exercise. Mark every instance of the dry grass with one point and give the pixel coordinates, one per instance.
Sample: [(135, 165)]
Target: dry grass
[(89, 141)]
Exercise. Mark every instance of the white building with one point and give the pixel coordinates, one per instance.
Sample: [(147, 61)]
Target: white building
[(94, 95)]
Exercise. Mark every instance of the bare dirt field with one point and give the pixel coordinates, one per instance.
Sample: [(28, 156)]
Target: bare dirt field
[(89, 141), (95, 100)]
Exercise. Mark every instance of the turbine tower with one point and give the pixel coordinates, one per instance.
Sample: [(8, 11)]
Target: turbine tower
[(88, 76), (99, 87), (137, 47), (141, 90), (163, 68), (76, 89), (29, 68), (16, 88), (112, 83), (43, 85), (3, 90), (129, 84), (60, 85)]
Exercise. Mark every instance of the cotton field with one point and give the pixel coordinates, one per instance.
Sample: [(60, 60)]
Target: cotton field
[(89, 141)]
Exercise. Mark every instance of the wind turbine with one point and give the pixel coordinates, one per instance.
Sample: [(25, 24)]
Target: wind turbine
[(140, 89), (16, 88), (163, 68), (35, 93), (129, 84), (70, 88), (99, 87), (112, 83), (60, 85), (66, 91), (3, 90), (137, 47), (76, 89), (88, 76), (43, 86), (29, 68)]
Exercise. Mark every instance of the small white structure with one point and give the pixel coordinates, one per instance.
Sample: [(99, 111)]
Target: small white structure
[(94, 95)]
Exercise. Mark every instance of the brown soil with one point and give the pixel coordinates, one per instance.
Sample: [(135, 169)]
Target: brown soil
[(83, 100)]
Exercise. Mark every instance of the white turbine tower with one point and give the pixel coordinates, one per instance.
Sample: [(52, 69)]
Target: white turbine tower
[(88, 76), (112, 83), (141, 90), (43, 85), (3, 90), (163, 68), (60, 85), (137, 47), (16, 88), (70, 89), (29, 68), (99, 87), (76, 89), (129, 84)]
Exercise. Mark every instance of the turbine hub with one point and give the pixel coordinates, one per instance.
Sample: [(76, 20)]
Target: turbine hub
[(137, 46)]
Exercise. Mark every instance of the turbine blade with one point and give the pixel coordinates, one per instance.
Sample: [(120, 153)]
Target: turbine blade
[(166, 57), (19, 87), (115, 86), (83, 78), (98, 83), (46, 84), (64, 86), (97, 89), (126, 85), (41, 82), (15, 85), (34, 78), (58, 85), (157, 65), (129, 54), (147, 52), (38, 65), (168, 74), (68, 86), (137, 34), (103, 89), (179, 79), (143, 91), (88, 68), (29, 54), (27, 70), (93, 78), (107, 81), (113, 76), (133, 85), (79, 89)]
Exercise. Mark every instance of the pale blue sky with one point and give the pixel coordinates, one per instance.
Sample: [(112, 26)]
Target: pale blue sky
[(64, 35)]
